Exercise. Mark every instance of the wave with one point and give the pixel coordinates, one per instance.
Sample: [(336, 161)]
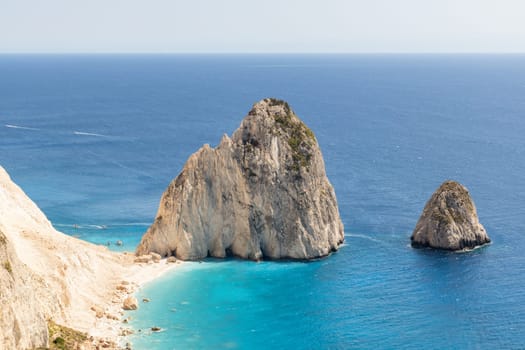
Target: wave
[(363, 236), (99, 227), (88, 134), (19, 127), (102, 227), (123, 166), (134, 224), (82, 226), (478, 247)]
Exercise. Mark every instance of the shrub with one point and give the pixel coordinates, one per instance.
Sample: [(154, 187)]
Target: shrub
[(7, 266), (299, 137), (60, 343), (64, 337)]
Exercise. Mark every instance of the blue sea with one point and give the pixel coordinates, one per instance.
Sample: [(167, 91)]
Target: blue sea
[(94, 140)]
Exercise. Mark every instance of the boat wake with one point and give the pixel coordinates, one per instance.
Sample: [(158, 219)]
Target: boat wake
[(11, 126), (75, 132), (81, 133)]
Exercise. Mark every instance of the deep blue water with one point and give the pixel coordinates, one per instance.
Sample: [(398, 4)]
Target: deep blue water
[(95, 140)]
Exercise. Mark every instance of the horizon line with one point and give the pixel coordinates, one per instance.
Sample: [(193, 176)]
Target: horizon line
[(263, 53)]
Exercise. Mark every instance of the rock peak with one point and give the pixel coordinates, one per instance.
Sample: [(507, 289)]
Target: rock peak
[(271, 106), (263, 195), (270, 120), (449, 220)]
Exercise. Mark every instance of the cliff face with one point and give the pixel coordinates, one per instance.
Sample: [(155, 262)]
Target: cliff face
[(46, 275), (23, 322), (449, 221), (261, 194)]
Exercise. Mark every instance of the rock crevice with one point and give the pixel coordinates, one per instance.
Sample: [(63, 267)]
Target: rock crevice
[(263, 193)]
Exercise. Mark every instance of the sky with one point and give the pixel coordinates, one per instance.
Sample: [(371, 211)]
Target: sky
[(262, 26)]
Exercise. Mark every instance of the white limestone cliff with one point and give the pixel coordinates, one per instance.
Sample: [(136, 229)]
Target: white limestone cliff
[(24, 306), (47, 276), (263, 193)]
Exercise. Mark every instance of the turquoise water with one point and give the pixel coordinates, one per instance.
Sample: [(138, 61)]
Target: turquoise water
[(357, 298), (95, 140)]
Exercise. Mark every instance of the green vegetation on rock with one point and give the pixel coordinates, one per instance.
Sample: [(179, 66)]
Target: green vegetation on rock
[(300, 138), (277, 102), (63, 338)]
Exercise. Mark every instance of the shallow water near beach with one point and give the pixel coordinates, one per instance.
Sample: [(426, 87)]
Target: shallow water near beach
[(95, 140)]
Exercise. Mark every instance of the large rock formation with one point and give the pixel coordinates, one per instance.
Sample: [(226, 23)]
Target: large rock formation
[(261, 194), (449, 221)]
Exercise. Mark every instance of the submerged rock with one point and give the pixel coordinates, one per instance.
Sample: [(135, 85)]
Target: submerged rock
[(263, 193), (449, 221)]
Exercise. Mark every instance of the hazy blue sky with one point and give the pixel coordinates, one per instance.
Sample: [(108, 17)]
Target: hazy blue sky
[(262, 26)]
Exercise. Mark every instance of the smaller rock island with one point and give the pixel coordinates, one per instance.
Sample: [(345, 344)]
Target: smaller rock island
[(449, 221)]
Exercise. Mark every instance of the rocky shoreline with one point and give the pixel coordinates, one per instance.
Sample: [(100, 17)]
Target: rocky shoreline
[(49, 280)]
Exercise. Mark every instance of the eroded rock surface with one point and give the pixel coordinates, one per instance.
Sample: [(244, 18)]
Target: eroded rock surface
[(263, 193), (23, 323), (449, 221)]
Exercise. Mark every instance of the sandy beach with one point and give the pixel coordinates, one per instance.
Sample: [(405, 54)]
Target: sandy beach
[(134, 276)]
